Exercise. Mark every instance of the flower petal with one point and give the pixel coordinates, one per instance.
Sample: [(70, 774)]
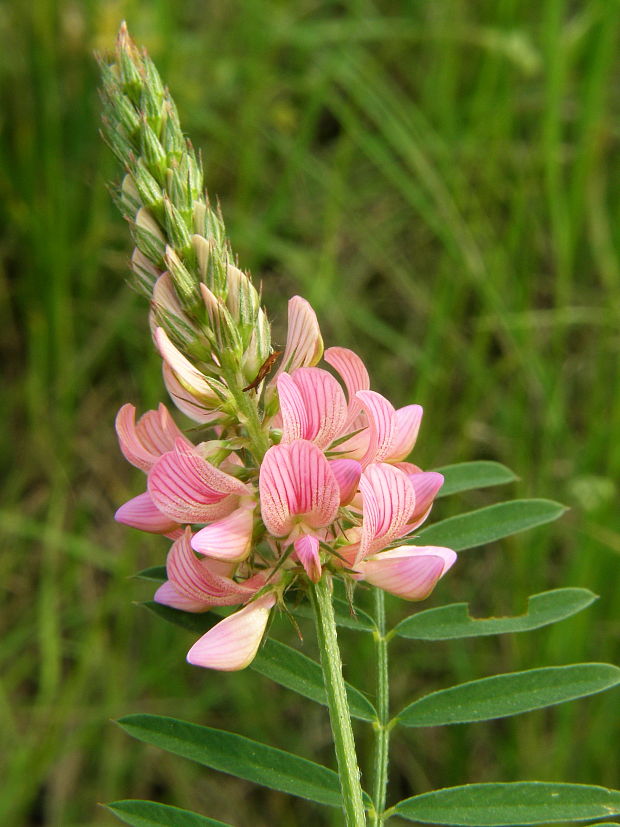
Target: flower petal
[(296, 480), (141, 512), (168, 595), (228, 539), (354, 375), (292, 409), (409, 572), (143, 443), (426, 484), (307, 551), (406, 427), (187, 403), (233, 643), (304, 345), (381, 422), (324, 403), (347, 473), (388, 502), (189, 489), (187, 374)]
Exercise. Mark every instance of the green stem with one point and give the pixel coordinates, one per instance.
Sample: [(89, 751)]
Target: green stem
[(339, 714), (382, 729), (247, 413)]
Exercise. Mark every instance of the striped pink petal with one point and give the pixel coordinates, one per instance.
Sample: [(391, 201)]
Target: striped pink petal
[(144, 442), (426, 484), (381, 423), (187, 374), (409, 572), (292, 409), (406, 427), (185, 402), (347, 473), (354, 375), (304, 345), (168, 595), (141, 512), (228, 539), (388, 502), (189, 489), (307, 552), (233, 643), (324, 403), (296, 481)]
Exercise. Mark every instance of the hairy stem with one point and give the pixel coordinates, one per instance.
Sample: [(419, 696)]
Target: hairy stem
[(339, 714), (382, 729)]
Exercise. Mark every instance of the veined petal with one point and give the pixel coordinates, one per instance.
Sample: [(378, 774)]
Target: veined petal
[(185, 402), (144, 442), (388, 502), (406, 427), (409, 572), (304, 345), (292, 409), (141, 512), (168, 595), (347, 473), (307, 551), (228, 539), (354, 375), (426, 484), (324, 403), (233, 643), (381, 422), (188, 375), (296, 480), (189, 489)]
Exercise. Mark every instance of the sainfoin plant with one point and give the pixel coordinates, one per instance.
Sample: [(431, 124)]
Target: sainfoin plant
[(294, 488)]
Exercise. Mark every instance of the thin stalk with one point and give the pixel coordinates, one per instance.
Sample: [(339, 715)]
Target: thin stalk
[(382, 729), (247, 413), (339, 714)]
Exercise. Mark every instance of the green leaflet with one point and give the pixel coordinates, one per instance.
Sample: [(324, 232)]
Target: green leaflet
[(150, 814), (194, 622), (465, 476), (157, 573), (486, 525), (238, 756), (521, 802), (290, 668), (503, 695), (454, 621)]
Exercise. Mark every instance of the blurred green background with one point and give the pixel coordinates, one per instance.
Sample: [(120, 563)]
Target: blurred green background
[(441, 180)]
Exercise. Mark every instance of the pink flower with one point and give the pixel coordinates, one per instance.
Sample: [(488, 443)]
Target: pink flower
[(144, 442)]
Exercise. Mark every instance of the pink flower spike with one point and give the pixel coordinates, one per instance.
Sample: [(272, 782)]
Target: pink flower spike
[(409, 572), (233, 643), (227, 539), (381, 419), (406, 427), (388, 502), (168, 595), (426, 485), (189, 489), (297, 485), (304, 345), (354, 374), (144, 442), (347, 473), (307, 551), (142, 513)]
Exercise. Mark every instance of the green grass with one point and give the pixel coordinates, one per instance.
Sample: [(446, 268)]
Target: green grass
[(441, 180)]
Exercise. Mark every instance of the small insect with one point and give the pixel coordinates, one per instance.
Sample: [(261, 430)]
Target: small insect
[(264, 370)]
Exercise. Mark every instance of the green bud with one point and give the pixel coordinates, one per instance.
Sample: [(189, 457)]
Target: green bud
[(176, 228), (149, 237), (184, 281), (148, 188), (153, 152)]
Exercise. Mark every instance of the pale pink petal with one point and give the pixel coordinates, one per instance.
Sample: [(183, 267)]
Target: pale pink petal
[(168, 595), (185, 402), (354, 375), (388, 502), (228, 539), (307, 552), (406, 427), (292, 410), (189, 489), (304, 345), (381, 422), (144, 442), (347, 473), (407, 467), (233, 643), (296, 480), (141, 512), (187, 374), (324, 403), (426, 484), (409, 572)]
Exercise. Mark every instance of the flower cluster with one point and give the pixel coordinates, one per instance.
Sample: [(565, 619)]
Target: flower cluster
[(326, 488)]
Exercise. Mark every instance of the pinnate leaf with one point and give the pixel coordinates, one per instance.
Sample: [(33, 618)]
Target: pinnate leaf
[(503, 695), (454, 621), (238, 756), (150, 814), (485, 525), (465, 476), (516, 803), (157, 573)]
